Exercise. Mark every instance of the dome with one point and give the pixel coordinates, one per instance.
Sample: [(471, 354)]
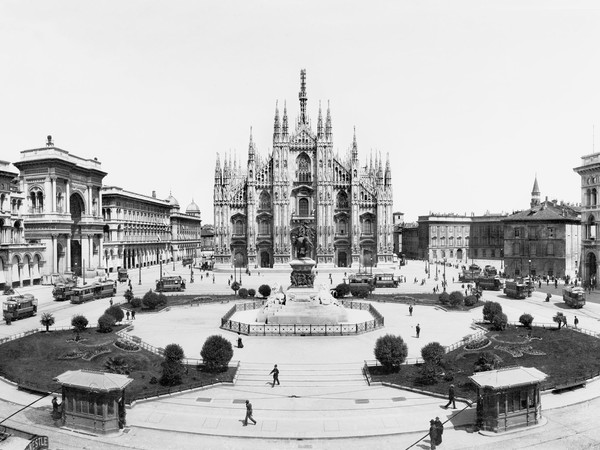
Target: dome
[(173, 201), (192, 208)]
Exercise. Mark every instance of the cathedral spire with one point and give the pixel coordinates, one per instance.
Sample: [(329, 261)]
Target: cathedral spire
[(284, 130), (276, 126), (354, 147), (328, 123), (320, 123), (218, 173), (535, 193), (251, 148), (388, 171), (303, 98)]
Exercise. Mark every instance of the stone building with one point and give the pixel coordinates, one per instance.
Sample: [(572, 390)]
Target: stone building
[(346, 207), (410, 240), (444, 236), (590, 215), (543, 240), (486, 246)]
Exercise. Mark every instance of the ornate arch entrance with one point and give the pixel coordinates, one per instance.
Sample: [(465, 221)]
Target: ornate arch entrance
[(591, 268)]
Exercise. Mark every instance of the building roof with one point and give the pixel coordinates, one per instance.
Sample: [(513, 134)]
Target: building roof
[(95, 381), (509, 377), (547, 210), (172, 200), (192, 208)]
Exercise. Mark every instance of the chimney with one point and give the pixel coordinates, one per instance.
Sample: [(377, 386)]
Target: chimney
[(153, 194)]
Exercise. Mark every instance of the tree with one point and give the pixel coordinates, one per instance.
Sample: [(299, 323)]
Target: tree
[(105, 323), (526, 320), (216, 353), (499, 322), (235, 286), (391, 352), (116, 312), (251, 292), (264, 290), (486, 361), (433, 353), (79, 324), (172, 365), (491, 309), (444, 298), (456, 299), (47, 320), (243, 293), (151, 299), (128, 295)]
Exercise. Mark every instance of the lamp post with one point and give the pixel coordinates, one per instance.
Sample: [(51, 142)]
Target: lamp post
[(140, 274), (173, 257), (529, 270), (444, 283), (436, 269)]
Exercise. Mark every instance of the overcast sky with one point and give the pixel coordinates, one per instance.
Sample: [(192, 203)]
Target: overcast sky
[(471, 99)]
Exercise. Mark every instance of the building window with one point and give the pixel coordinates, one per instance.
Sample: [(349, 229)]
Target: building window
[(238, 227), (264, 227), (532, 249), (342, 200), (517, 232), (367, 226), (264, 201), (550, 232), (550, 249), (304, 173), (303, 207), (341, 226)]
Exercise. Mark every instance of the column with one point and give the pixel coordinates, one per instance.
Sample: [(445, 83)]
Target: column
[(54, 266), (47, 196), (68, 252), (68, 197), (89, 200), (53, 193), (101, 250), (20, 274), (90, 248)]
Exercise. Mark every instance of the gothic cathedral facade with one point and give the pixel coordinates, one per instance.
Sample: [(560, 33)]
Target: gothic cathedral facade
[(303, 184)]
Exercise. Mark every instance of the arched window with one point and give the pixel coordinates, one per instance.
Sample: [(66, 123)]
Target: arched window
[(304, 172), (594, 197), (303, 207), (587, 197), (264, 201), (341, 200), (238, 227), (591, 228)]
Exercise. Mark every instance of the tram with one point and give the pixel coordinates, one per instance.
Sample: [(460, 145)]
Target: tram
[(516, 289), (99, 289), (173, 283), (19, 306), (489, 283), (574, 296)]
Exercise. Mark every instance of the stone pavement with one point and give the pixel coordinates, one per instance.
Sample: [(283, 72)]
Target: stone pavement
[(323, 401)]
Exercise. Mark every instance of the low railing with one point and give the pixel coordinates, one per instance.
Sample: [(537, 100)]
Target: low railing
[(256, 329)]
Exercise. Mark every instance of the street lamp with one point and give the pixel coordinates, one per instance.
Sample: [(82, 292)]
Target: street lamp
[(173, 257), (444, 283), (529, 270)]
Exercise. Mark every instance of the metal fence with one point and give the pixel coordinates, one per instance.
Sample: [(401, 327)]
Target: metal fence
[(302, 329)]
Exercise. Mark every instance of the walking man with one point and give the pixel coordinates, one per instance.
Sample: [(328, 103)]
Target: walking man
[(133, 315), (576, 321), (127, 314), (249, 413), (410, 310), (275, 373), (418, 330), (451, 398)]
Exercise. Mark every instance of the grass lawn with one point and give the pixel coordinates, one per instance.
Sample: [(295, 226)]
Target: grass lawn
[(35, 360), (561, 354)]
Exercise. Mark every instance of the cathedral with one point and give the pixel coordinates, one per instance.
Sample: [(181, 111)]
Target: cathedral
[(302, 187)]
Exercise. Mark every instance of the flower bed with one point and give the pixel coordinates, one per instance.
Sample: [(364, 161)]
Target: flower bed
[(127, 346), (90, 354), (477, 344)]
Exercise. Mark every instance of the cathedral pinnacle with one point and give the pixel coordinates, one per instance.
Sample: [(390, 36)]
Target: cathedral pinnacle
[(320, 123), (303, 98), (354, 147), (251, 148), (284, 130), (276, 126), (328, 123)]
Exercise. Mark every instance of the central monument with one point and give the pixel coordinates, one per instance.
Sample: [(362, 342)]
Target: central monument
[(302, 304)]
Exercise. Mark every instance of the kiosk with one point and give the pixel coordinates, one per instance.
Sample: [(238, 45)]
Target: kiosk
[(93, 401), (508, 398)]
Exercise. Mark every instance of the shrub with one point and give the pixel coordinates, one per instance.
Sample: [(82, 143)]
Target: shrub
[(444, 298), (235, 286), (490, 309), (136, 302), (151, 299), (47, 320), (172, 366), (486, 361), (79, 323), (264, 290), (391, 352), (117, 364), (470, 300), (116, 312), (433, 353), (559, 318), (428, 373), (251, 292), (216, 353), (361, 291), (526, 320), (105, 323), (128, 295), (456, 299), (342, 290), (243, 293), (499, 322)]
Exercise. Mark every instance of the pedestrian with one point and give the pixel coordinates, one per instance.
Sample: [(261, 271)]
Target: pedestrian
[(133, 315), (55, 405), (539, 284), (556, 283), (229, 282), (440, 429), (213, 279), (127, 314), (275, 373), (110, 301), (433, 434), (410, 310), (548, 296), (451, 398), (576, 321), (564, 321), (240, 345), (418, 329), (249, 413)]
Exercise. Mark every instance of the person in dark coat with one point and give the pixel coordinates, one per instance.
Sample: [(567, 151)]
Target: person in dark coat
[(418, 329), (440, 429), (239, 343), (275, 373), (451, 398), (410, 309), (249, 413), (433, 434)]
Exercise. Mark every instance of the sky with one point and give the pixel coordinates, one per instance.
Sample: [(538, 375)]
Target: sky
[(471, 99)]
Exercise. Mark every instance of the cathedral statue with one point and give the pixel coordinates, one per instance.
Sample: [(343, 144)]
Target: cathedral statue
[(301, 243)]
